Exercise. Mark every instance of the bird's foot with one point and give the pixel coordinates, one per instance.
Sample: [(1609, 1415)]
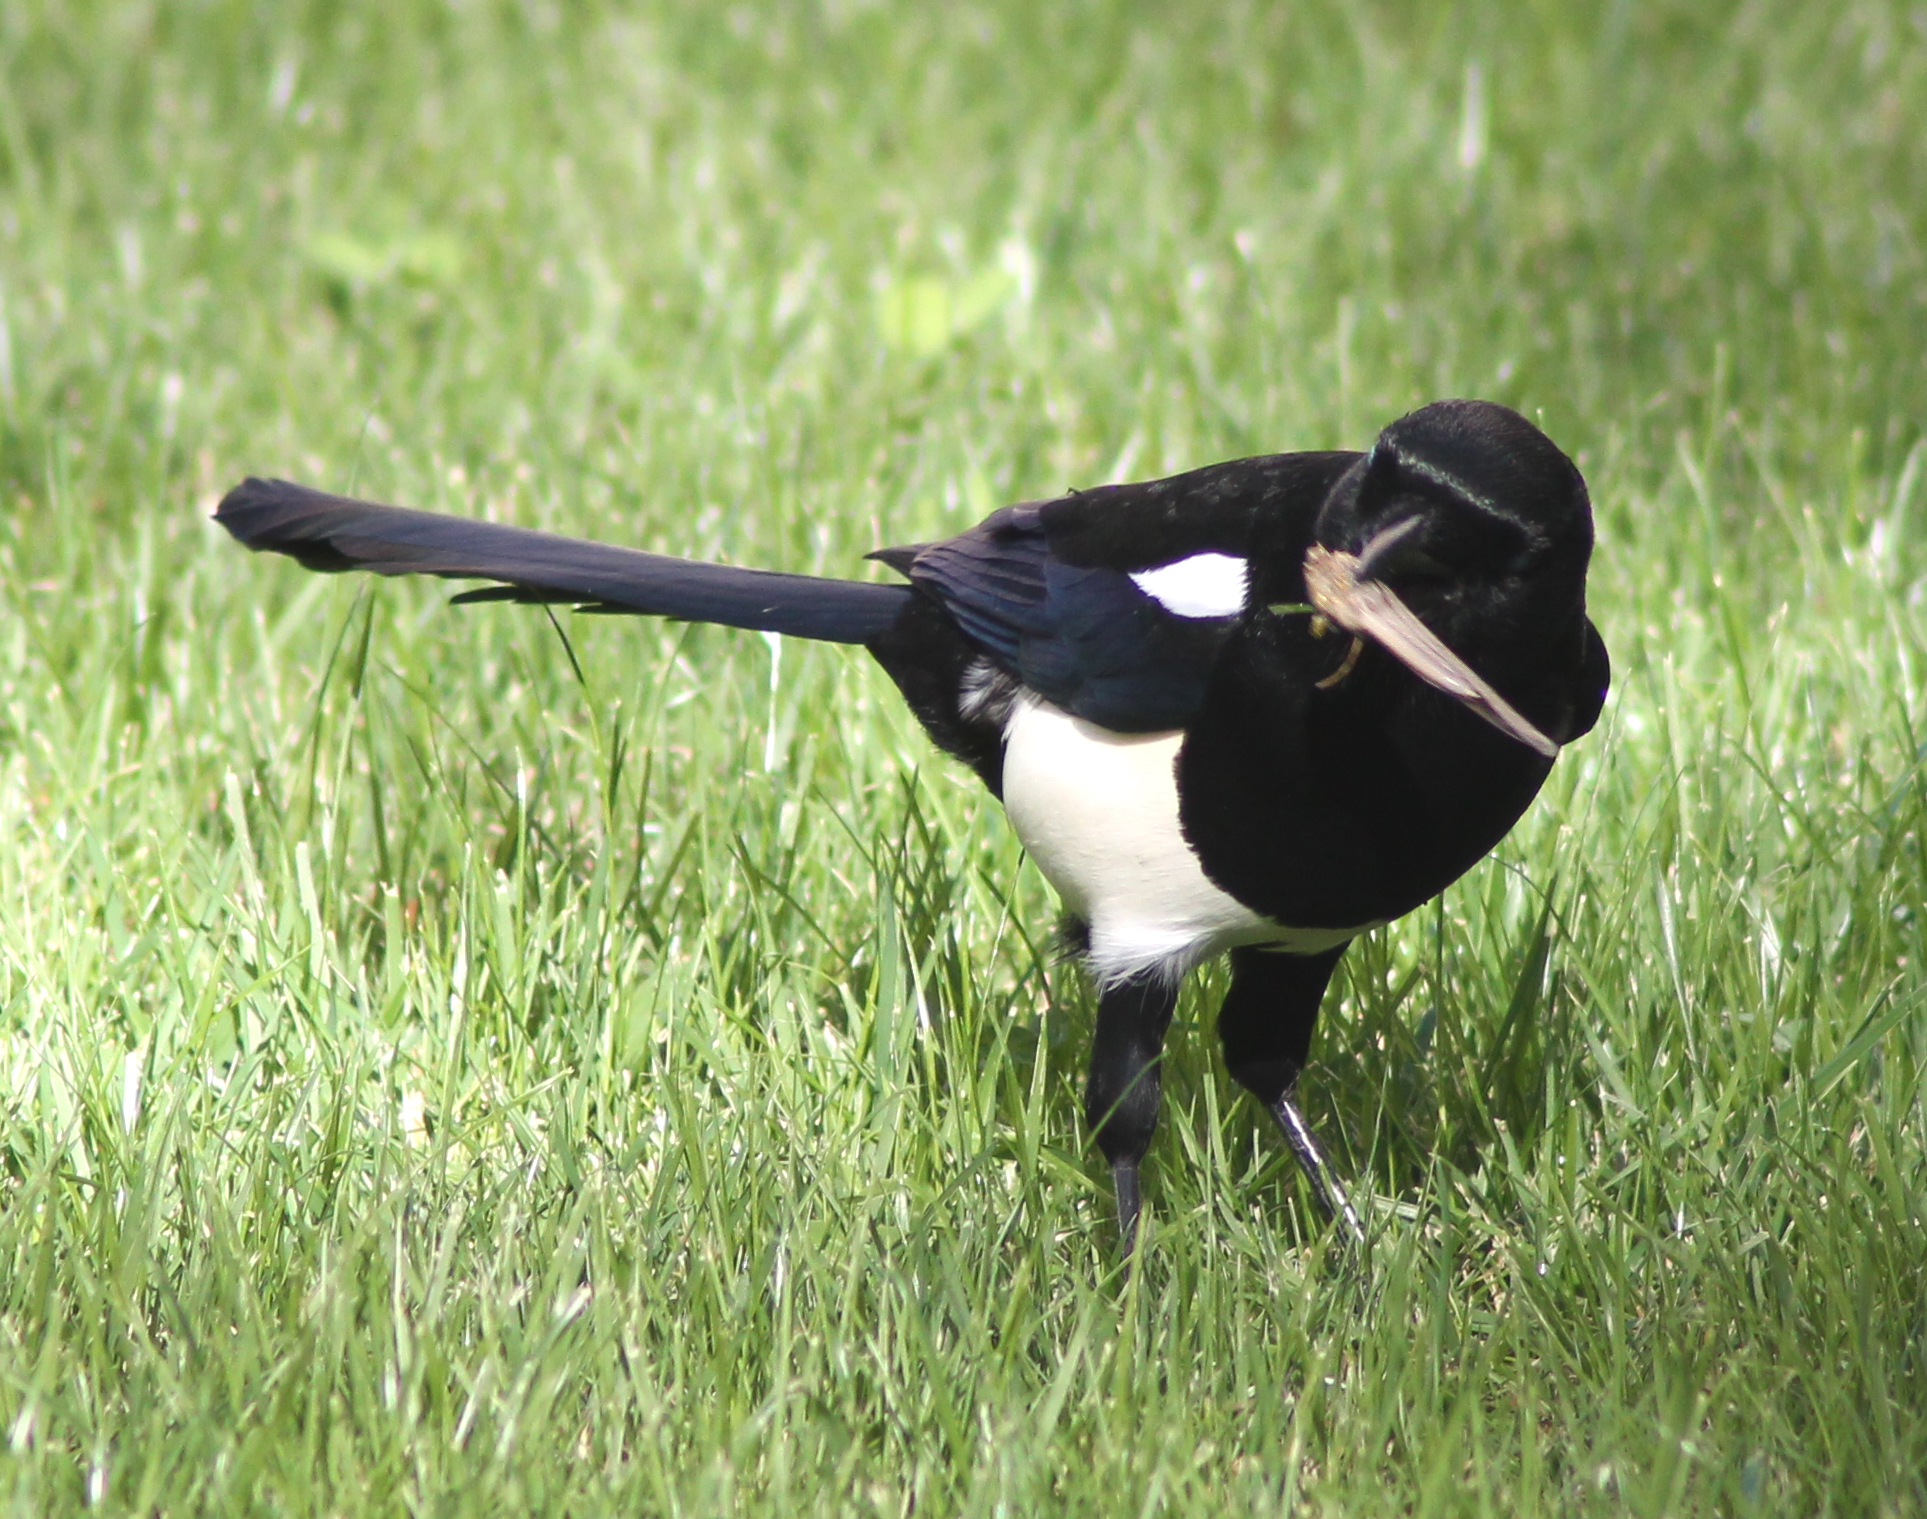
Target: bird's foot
[(1325, 1184), (1129, 1205)]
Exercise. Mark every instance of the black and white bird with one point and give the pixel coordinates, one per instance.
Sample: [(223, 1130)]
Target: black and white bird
[(1257, 708)]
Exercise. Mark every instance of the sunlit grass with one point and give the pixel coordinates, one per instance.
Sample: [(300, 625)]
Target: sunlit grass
[(436, 1080)]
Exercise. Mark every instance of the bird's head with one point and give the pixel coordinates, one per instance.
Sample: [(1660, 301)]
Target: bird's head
[(1462, 532)]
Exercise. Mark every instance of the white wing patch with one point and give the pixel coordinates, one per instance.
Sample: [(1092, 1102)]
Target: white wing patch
[(1204, 585)]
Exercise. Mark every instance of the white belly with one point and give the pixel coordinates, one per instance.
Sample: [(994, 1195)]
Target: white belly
[(1098, 812)]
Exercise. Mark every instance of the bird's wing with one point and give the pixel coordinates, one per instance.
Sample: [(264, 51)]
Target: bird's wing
[(1129, 651), (1114, 603)]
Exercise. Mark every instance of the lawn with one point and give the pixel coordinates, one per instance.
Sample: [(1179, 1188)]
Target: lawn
[(463, 1061)]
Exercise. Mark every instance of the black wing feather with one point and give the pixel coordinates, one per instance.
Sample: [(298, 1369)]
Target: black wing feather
[(1083, 637), (1045, 588)]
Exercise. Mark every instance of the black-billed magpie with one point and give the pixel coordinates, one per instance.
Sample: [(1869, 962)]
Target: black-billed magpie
[(1260, 707)]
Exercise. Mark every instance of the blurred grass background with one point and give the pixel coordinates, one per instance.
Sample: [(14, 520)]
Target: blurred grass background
[(432, 1081)]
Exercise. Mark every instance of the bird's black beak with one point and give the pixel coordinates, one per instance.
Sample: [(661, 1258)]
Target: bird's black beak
[(1342, 588)]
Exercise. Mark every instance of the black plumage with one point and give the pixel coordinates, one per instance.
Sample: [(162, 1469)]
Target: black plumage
[(333, 533), (1256, 708)]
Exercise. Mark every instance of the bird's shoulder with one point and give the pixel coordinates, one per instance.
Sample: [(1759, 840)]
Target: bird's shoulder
[(1238, 507)]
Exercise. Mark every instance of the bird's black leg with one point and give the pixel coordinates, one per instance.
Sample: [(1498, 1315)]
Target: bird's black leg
[(1121, 1101), (1266, 1023)]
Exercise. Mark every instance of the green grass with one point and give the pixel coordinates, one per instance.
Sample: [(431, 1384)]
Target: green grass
[(434, 1083)]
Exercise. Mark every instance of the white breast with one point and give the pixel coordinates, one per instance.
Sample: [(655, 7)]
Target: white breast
[(1098, 811)]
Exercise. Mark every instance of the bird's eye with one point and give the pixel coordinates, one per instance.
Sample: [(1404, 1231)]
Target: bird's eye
[(1405, 560), (1461, 547), (1414, 564)]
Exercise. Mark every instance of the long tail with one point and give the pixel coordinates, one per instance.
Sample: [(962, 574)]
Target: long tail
[(335, 533)]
